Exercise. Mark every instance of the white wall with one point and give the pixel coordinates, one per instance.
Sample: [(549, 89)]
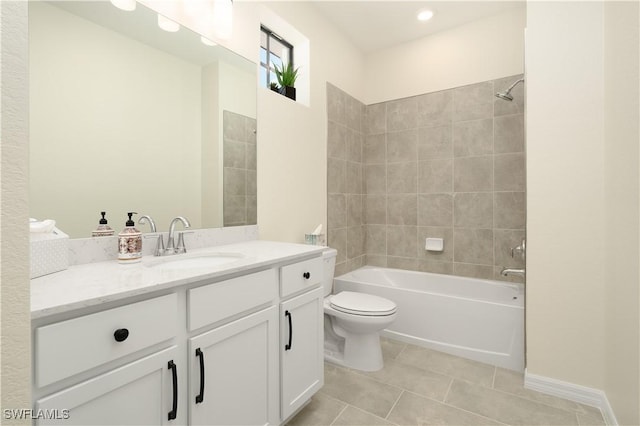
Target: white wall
[(15, 333), (482, 50), (622, 200), (565, 192)]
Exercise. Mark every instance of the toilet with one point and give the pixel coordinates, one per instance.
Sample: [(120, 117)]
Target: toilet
[(352, 322)]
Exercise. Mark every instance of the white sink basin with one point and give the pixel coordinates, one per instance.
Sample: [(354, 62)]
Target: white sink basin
[(194, 261)]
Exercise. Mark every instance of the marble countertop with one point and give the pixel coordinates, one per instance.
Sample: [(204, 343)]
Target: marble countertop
[(92, 284)]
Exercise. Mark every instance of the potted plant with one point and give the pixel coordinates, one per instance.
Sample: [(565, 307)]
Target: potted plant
[(287, 76), (274, 86)]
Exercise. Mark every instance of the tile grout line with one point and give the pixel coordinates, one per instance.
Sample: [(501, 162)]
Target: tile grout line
[(340, 413), (446, 394), (394, 404), (493, 381)]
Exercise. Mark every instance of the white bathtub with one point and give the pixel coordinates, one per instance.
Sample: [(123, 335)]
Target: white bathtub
[(477, 319)]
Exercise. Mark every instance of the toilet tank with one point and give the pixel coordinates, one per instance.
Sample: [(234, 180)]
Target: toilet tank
[(329, 259)]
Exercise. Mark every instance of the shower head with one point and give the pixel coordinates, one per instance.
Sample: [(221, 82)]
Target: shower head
[(506, 95)]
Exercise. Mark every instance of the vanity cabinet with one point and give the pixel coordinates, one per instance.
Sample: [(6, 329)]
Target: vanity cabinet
[(301, 334), (244, 350), (233, 372), (143, 392)]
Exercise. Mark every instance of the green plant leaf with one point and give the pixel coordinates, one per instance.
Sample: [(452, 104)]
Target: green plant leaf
[(286, 74)]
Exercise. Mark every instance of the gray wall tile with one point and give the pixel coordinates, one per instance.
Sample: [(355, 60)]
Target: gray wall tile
[(473, 210), (509, 172), (401, 209), (402, 178), (473, 138), (509, 134), (473, 246), (376, 239), (337, 141), (376, 209), (435, 142), (401, 241), (445, 165), (402, 146), (472, 174), (375, 149), (509, 210), (402, 114), (235, 154), (473, 102), (375, 119), (435, 210), (435, 109), (435, 176)]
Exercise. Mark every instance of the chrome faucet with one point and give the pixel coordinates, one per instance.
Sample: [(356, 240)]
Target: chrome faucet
[(146, 218), (159, 251), (512, 271), (171, 248)]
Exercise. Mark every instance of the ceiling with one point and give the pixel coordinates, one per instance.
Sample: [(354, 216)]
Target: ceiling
[(375, 25)]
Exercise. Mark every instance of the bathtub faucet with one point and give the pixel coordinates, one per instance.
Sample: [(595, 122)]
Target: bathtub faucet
[(510, 271)]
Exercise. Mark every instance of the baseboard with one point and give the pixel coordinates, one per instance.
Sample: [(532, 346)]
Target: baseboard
[(581, 394)]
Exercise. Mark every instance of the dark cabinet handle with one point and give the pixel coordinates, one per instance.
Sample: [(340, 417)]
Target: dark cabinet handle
[(306, 275), (174, 370), (121, 334), (200, 397), (288, 345)]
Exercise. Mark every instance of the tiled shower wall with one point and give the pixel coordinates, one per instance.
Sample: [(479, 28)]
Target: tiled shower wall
[(239, 204), (449, 165), (345, 179)]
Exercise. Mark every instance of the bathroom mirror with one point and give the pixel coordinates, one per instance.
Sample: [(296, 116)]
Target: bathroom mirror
[(127, 117)]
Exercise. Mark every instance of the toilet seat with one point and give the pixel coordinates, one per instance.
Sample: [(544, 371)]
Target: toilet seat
[(354, 303)]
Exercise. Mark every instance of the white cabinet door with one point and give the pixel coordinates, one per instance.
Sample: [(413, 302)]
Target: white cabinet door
[(301, 350), (234, 372), (139, 393)]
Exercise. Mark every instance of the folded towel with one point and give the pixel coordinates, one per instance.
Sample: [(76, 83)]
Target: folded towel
[(45, 226)]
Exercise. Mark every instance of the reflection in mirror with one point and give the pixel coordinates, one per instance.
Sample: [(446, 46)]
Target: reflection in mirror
[(127, 117)]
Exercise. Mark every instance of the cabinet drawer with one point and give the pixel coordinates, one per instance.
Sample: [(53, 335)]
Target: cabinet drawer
[(73, 346), (300, 276), (224, 299)]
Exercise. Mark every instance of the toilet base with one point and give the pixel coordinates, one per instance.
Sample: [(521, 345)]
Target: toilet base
[(360, 352)]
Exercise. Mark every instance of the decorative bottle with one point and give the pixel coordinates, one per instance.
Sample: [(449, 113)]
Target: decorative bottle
[(103, 230), (130, 243)]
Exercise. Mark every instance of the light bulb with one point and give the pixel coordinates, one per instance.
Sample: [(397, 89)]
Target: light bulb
[(127, 5), (167, 24)]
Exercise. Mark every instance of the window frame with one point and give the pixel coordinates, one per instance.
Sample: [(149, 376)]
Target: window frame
[(268, 65)]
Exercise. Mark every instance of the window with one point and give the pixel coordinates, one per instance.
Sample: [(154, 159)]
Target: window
[(274, 50)]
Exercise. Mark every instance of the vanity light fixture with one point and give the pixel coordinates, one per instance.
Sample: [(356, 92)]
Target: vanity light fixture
[(128, 5), (425, 15), (206, 41), (167, 24)]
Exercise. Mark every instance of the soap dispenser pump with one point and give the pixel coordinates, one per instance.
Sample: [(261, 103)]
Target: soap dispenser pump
[(103, 230), (130, 242)]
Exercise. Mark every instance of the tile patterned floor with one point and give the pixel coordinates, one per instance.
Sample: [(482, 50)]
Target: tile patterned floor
[(418, 386)]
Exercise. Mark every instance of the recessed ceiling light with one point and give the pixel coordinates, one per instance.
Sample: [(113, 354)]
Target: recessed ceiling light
[(425, 15)]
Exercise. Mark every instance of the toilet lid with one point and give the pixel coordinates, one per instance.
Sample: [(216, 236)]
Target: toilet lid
[(362, 304)]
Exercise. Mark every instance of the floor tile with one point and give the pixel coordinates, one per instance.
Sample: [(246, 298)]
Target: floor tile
[(506, 408), (352, 416), (456, 367), (413, 409), (391, 348), (360, 391), (412, 378), (322, 410)]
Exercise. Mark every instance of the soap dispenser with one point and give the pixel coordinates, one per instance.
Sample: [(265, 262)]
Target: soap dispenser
[(130, 243), (103, 230)]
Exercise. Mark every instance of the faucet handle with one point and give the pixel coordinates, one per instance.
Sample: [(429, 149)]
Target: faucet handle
[(519, 250), (180, 247), (159, 251)]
